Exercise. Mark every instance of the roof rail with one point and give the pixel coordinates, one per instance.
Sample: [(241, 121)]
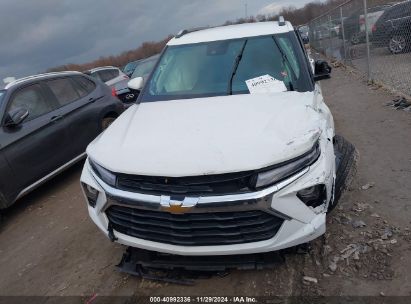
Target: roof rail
[(104, 67), (281, 21), (20, 80), (185, 31), (181, 33)]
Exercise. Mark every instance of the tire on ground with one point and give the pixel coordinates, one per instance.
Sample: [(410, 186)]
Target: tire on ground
[(106, 122), (346, 157), (398, 44), (355, 39)]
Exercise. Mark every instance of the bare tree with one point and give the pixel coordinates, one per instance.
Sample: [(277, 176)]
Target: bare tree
[(296, 16)]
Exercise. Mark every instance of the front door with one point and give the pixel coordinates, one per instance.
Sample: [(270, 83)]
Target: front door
[(78, 98)]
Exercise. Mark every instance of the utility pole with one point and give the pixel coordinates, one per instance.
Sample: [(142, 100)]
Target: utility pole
[(246, 10), (367, 40)]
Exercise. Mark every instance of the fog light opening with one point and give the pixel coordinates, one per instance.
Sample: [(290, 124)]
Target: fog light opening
[(91, 194), (313, 196)]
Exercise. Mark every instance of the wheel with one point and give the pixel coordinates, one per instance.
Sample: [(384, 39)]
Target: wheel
[(107, 121), (346, 157), (397, 44), (355, 39)]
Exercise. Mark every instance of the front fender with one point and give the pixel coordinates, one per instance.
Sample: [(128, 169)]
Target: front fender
[(112, 108)]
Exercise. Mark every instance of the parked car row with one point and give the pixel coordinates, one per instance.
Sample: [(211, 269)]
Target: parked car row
[(393, 28), (355, 24), (119, 80), (130, 67), (326, 30), (388, 25), (142, 69)]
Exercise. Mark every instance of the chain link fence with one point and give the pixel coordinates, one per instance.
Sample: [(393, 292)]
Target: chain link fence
[(374, 36)]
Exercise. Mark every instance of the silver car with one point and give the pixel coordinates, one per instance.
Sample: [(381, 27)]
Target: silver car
[(111, 76)]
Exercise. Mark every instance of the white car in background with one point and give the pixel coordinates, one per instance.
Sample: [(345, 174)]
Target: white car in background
[(111, 76), (373, 14), (230, 149)]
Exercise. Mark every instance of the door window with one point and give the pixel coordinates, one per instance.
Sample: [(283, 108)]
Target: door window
[(95, 75), (64, 90), (114, 73), (83, 86), (32, 99), (106, 75)]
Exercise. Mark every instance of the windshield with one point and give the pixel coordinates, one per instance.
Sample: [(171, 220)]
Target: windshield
[(222, 67), (144, 68), (130, 67)]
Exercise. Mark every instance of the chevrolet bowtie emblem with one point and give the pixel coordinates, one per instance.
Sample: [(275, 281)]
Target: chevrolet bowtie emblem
[(176, 209), (178, 206)]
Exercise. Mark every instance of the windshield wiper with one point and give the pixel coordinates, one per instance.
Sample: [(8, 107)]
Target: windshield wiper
[(285, 59), (234, 70)]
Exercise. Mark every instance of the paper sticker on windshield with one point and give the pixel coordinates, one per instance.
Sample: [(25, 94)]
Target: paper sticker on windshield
[(265, 84)]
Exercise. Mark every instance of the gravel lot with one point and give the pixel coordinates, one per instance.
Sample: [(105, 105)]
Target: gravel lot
[(393, 70), (48, 245)]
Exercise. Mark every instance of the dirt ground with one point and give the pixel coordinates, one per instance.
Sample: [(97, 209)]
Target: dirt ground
[(48, 245)]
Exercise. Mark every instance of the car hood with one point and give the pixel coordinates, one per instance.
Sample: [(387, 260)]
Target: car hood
[(209, 135)]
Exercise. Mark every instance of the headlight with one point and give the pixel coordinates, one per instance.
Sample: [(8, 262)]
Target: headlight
[(313, 196), (106, 176), (91, 194), (287, 169)]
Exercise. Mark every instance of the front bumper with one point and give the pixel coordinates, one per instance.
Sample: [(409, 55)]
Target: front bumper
[(301, 223)]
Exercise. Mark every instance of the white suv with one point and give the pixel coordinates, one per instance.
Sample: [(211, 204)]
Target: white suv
[(229, 149)]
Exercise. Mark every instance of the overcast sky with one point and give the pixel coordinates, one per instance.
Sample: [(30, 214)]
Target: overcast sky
[(36, 35)]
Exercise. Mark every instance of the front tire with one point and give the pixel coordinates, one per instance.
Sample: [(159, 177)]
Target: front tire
[(346, 157)]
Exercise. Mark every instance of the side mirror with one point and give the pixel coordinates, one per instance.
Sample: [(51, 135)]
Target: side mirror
[(16, 117), (322, 70), (306, 40), (136, 83)]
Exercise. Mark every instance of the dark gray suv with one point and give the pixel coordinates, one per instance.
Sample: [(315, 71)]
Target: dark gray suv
[(47, 121)]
